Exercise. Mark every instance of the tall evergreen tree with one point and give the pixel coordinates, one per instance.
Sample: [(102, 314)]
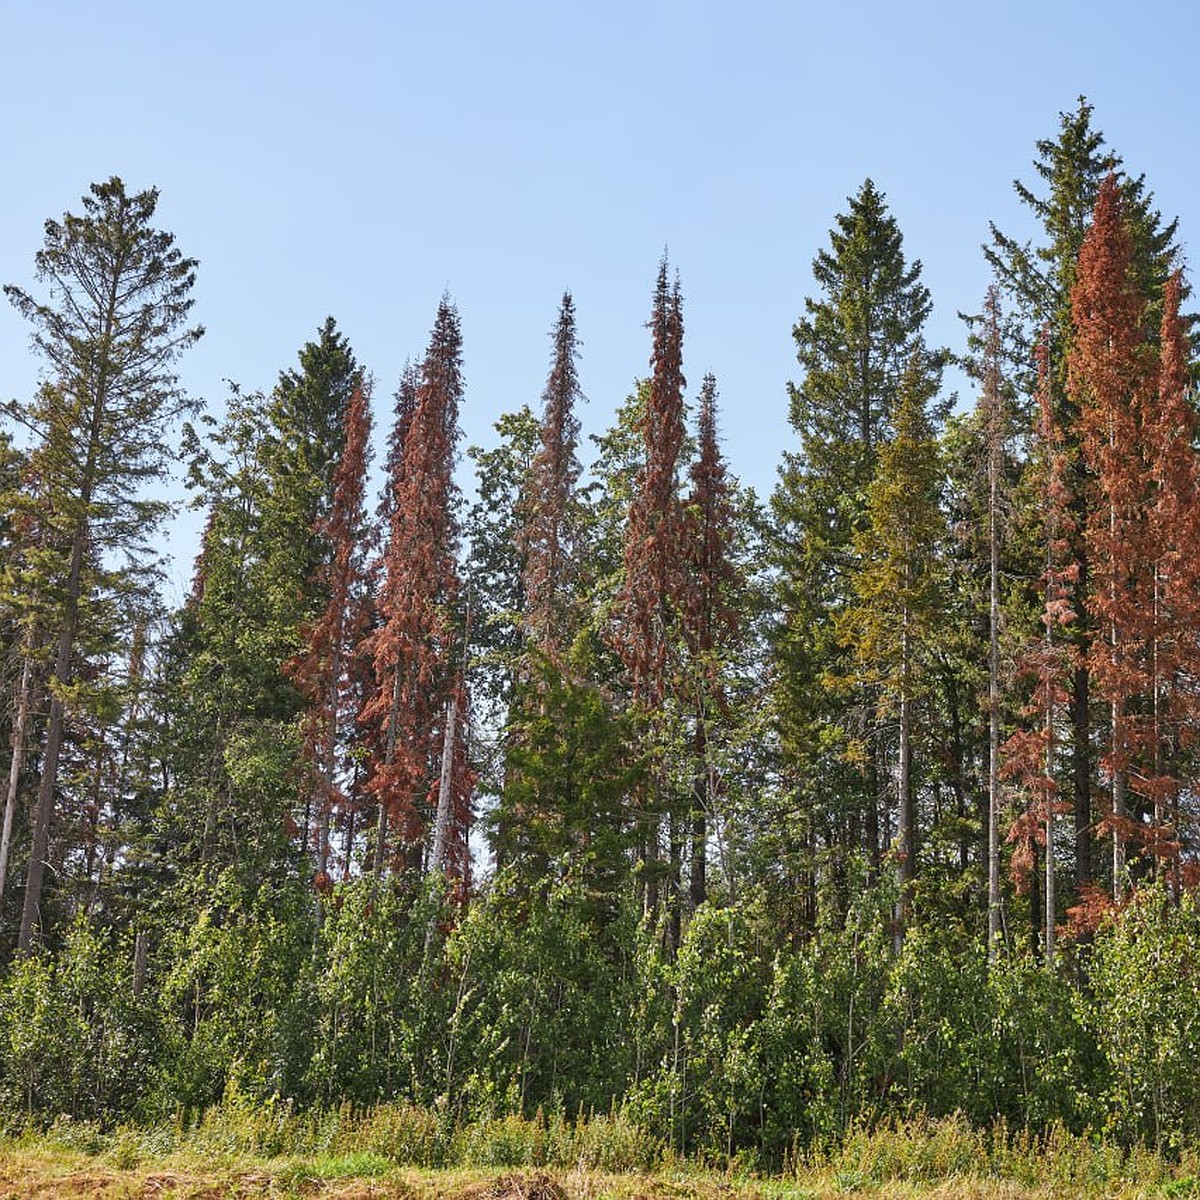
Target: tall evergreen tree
[(1031, 754), (1169, 431), (709, 620), (324, 671), (549, 534), (992, 406), (110, 332), (1109, 368), (854, 344)]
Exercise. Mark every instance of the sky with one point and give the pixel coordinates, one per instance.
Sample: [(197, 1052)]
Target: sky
[(358, 160)]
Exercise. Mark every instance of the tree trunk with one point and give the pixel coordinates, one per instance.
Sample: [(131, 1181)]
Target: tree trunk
[(697, 881), (20, 735), (1082, 774), (993, 843), (906, 816), (44, 809)]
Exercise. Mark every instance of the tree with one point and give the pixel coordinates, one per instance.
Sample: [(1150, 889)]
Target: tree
[(416, 647), (890, 624), (991, 403), (709, 619), (110, 331), (854, 344), (1109, 367), (1031, 754), (308, 419), (549, 536), (1038, 280), (324, 671), (1174, 521), (652, 597)]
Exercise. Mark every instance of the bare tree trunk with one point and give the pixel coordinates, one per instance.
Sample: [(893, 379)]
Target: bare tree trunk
[(906, 816), (381, 825), (993, 844), (697, 881), (20, 735), (1119, 805), (441, 825)]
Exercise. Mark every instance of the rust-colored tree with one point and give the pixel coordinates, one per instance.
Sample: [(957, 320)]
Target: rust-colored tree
[(1031, 755), (654, 592), (1109, 369), (1166, 728), (414, 646), (324, 671), (652, 596)]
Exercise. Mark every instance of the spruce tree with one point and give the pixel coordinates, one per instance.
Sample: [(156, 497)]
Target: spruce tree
[(709, 621), (854, 344), (324, 671), (1030, 755), (1109, 367), (549, 535)]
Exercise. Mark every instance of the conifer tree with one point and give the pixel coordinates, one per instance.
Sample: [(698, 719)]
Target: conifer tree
[(992, 404), (653, 588), (854, 344), (549, 535), (1031, 754), (1174, 522), (110, 332), (415, 649), (324, 670), (890, 624), (709, 618), (1039, 280), (1108, 369), (653, 593)]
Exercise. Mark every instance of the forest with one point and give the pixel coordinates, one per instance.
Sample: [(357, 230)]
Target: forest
[(562, 779)]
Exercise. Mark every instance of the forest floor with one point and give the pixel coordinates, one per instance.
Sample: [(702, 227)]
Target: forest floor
[(36, 1172)]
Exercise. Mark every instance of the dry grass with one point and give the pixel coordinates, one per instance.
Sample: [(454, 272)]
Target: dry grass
[(33, 1172)]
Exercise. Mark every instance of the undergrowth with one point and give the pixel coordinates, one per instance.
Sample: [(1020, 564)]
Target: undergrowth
[(352, 1143)]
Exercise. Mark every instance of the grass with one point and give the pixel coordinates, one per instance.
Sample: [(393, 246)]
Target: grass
[(415, 1154)]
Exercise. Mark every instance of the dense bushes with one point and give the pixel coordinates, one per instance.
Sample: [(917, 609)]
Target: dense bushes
[(530, 1005)]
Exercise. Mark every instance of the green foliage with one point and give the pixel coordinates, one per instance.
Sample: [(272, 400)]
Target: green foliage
[(233, 995), (382, 1003), (545, 1004), (1145, 977), (74, 1038)]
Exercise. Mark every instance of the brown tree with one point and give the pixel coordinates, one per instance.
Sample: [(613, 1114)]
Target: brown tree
[(323, 671), (415, 644), (1167, 723), (1109, 369), (654, 592), (1031, 755)]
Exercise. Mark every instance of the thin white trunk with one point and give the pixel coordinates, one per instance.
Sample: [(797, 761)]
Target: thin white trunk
[(442, 821), (20, 734)]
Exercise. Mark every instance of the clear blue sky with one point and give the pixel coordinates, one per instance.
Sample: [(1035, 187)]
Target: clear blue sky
[(359, 159)]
